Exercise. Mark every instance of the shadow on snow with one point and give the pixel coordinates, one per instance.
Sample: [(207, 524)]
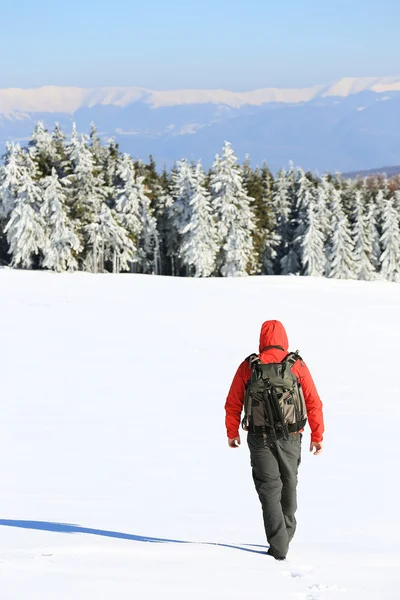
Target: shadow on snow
[(67, 528)]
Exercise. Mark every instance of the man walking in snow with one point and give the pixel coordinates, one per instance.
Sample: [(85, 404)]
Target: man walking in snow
[(274, 438)]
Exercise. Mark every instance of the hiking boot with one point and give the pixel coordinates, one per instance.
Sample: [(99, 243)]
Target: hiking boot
[(276, 557)]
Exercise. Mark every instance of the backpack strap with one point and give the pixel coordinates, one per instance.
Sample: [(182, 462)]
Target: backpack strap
[(252, 361), (292, 358)]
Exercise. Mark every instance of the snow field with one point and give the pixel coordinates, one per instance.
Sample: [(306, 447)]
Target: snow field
[(112, 419)]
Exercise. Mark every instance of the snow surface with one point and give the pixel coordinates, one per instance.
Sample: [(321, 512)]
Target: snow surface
[(112, 427), (70, 99)]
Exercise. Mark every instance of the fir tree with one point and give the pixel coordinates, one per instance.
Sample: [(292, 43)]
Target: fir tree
[(313, 258), (87, 191), (128, 201), (162, 202), (62, 244), (290, 252), (179, 211), (390, 259), (60, 159), (362, 240), (281, 202), (234, 215), (199, 237), (149, 243), (25, 229), (11, 175), (96, 147), (341, 248), (42, 150), (110, 243)]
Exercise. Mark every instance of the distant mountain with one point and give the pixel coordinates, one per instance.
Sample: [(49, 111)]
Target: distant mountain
[(348, 125), (389, 171)]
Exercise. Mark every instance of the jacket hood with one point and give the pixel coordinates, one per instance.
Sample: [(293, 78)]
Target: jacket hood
[(273, 333)]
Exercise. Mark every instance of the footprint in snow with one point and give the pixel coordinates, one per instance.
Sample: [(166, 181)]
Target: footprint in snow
[(320, 587), (298, 572)]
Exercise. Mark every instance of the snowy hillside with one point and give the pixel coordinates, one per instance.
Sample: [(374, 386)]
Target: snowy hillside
[(113, 444)]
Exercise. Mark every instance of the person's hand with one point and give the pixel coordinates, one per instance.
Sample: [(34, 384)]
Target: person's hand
[(317, 446), (234, 443)]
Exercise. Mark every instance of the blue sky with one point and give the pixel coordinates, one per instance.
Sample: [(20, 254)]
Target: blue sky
[(167, 44)]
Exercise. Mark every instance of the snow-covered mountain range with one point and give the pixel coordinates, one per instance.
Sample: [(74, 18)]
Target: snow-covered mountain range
[(346, 125)]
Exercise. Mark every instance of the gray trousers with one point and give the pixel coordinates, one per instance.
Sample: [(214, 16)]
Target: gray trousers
[(275, 466)]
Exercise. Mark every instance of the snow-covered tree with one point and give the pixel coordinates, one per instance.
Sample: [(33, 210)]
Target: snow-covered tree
[(149, 243), (289, 254), (42, 149), (313, 257), (307, 222), (11, 174), (60, 159), (199, 237), (62, 244), (87, 187), (162, 202), (282, 211), (305, 192), (374, 236), (179, 211), (271, 239), (127, 199), (361, 234), (110, 243), (97, 149), (390, 259), (341, 248), (234, 215), (324, 201), (181, 191), (26, 228)]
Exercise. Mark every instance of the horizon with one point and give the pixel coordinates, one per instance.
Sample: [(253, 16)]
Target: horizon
[(216, 88)]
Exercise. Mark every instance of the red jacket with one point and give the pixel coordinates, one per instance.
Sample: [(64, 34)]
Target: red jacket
[(273, 334)]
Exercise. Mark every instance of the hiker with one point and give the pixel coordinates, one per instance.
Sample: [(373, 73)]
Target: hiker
[(278, 394)]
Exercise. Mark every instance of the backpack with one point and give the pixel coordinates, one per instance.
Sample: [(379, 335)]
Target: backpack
[(274, 400)]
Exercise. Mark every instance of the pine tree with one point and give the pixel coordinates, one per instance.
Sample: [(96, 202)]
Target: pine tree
[(341, 248), (234, 215), (11, 175), (282, 210), (42, 150), (110, 243), (162, 202), (290, 251), (362, 240), (390, 259), (127, 198), (60, 159), (272, 240), (109, 166), (374, 236), (88, 193), (96, 148), (26, 228), (308, 240), (313, 258), (62, 244), (149, 242), (199, 237), (179, 211), (259, 185)]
